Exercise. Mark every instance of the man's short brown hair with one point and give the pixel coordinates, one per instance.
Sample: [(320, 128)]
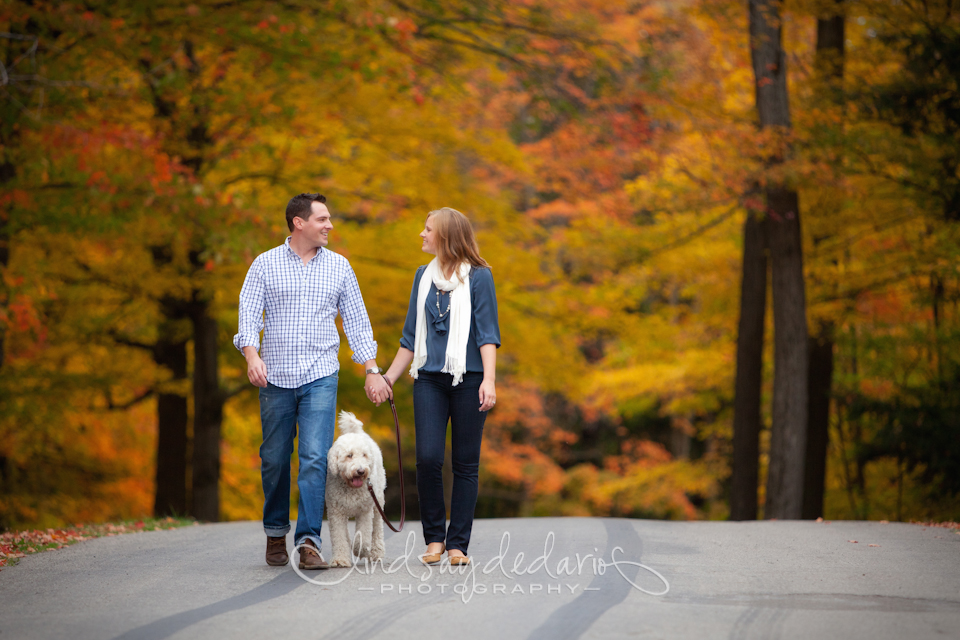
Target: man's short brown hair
[(299, 207)]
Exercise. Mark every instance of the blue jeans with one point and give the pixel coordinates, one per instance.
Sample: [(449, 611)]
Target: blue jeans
[(435, 400), (313, 408)]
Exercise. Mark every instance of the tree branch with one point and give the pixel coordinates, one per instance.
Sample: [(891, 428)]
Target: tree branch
[(128, 342), (503, 25), (111, 405), (682, 240)]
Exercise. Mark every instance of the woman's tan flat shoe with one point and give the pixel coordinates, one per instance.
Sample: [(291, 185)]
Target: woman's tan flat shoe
[(456, 561), (433, 558)]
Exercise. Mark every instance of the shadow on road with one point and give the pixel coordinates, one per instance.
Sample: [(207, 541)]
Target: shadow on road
[(572, 620), (166, 627)]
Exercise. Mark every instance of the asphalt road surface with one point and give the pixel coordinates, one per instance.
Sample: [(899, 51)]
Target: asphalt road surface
[(576, 578)]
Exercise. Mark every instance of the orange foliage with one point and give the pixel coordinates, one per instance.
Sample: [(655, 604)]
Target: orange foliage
[(607, 158)]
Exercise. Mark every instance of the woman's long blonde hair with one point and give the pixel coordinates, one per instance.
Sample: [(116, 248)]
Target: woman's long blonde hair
[(456, 241)]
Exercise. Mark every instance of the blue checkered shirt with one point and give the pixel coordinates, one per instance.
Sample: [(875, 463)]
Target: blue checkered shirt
[(301, 301)]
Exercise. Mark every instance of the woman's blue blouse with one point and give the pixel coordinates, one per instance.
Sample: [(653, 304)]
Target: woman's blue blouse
[(484, 326)]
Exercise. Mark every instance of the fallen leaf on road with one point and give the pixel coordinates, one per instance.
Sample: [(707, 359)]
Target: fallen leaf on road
[(853, 541), (873, 545)]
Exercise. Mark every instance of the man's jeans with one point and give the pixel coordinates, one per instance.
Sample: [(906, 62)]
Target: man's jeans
[(435, 401), (313, 407)]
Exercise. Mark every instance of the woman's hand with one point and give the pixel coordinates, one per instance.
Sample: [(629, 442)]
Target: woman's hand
[(488, 394), (377, 389)]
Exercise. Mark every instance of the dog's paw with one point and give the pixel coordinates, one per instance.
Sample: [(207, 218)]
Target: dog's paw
[(340, 562)]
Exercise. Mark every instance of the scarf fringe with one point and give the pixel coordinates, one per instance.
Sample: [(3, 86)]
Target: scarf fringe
[(454, 367)]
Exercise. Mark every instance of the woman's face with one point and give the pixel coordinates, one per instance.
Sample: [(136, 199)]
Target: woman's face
[(429, 235)]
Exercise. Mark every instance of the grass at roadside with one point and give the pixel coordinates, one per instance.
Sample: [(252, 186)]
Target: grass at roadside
[(16, 544)]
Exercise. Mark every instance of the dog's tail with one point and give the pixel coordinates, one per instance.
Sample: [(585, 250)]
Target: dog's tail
[(349, 423)]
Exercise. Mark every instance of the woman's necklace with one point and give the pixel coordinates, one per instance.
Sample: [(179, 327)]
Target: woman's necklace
[(438, 306)]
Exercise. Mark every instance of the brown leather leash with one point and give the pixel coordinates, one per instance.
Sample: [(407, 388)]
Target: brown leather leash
[(403, 501)]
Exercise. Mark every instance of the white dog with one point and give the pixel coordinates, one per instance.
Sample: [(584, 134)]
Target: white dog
[(353, 460)]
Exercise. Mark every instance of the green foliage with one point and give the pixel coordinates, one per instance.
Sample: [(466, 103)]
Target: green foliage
[(607, 156)]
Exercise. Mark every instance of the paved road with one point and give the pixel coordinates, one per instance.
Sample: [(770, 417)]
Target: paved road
[(722, 580)]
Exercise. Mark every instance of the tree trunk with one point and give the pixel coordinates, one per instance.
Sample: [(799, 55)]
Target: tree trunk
[(788, 431), (171, 491), (170, 351), (189, 122), (831, 39), (790, 360), (746, 407), (208, 400), (769, 64), (818, 420), (829, 66)]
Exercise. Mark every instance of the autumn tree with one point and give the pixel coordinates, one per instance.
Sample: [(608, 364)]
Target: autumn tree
[(788, 432), (919, 101), (828, 66), (610, 160)]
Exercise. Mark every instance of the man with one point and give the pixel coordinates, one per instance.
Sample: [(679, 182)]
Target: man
[(301, 286)]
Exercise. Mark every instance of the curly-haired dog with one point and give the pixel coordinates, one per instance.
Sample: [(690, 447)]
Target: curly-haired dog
[(353, 460)]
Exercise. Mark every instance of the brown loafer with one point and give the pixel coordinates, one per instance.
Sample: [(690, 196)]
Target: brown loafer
[(433, 558), (456, 561), (310, 557), (277, 551)]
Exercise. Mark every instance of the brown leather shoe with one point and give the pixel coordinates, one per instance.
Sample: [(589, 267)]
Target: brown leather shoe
[(310, 557), (433, 558), (277, 551)]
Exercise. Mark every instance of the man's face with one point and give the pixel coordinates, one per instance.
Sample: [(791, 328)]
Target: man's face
[(317, 227)]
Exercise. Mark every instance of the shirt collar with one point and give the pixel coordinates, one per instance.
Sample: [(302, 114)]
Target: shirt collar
[(293, 253)]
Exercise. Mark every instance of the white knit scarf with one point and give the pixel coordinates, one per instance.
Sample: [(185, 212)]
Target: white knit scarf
[(455, 362)]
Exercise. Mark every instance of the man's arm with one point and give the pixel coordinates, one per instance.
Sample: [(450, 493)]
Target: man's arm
[(250, 323), (356, 324)]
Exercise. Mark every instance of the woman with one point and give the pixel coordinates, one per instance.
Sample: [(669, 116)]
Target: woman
[(450, 336)]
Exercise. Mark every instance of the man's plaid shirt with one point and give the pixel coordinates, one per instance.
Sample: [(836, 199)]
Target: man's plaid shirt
[(301, 301)]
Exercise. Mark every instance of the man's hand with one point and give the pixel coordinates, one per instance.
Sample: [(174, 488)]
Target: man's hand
[(256, 369), (377, 388)]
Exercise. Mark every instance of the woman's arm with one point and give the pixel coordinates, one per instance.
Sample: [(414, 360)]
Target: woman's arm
[(487, 329), (408, 336), (488, 388), (400, 363)]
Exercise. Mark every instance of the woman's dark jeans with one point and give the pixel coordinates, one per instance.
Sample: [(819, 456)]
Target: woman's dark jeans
[(435, 400)]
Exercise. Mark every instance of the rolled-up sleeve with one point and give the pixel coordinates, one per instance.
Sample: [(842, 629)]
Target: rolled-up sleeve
[(356, 322), (409, 336), (486, 325), (251, 308)]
